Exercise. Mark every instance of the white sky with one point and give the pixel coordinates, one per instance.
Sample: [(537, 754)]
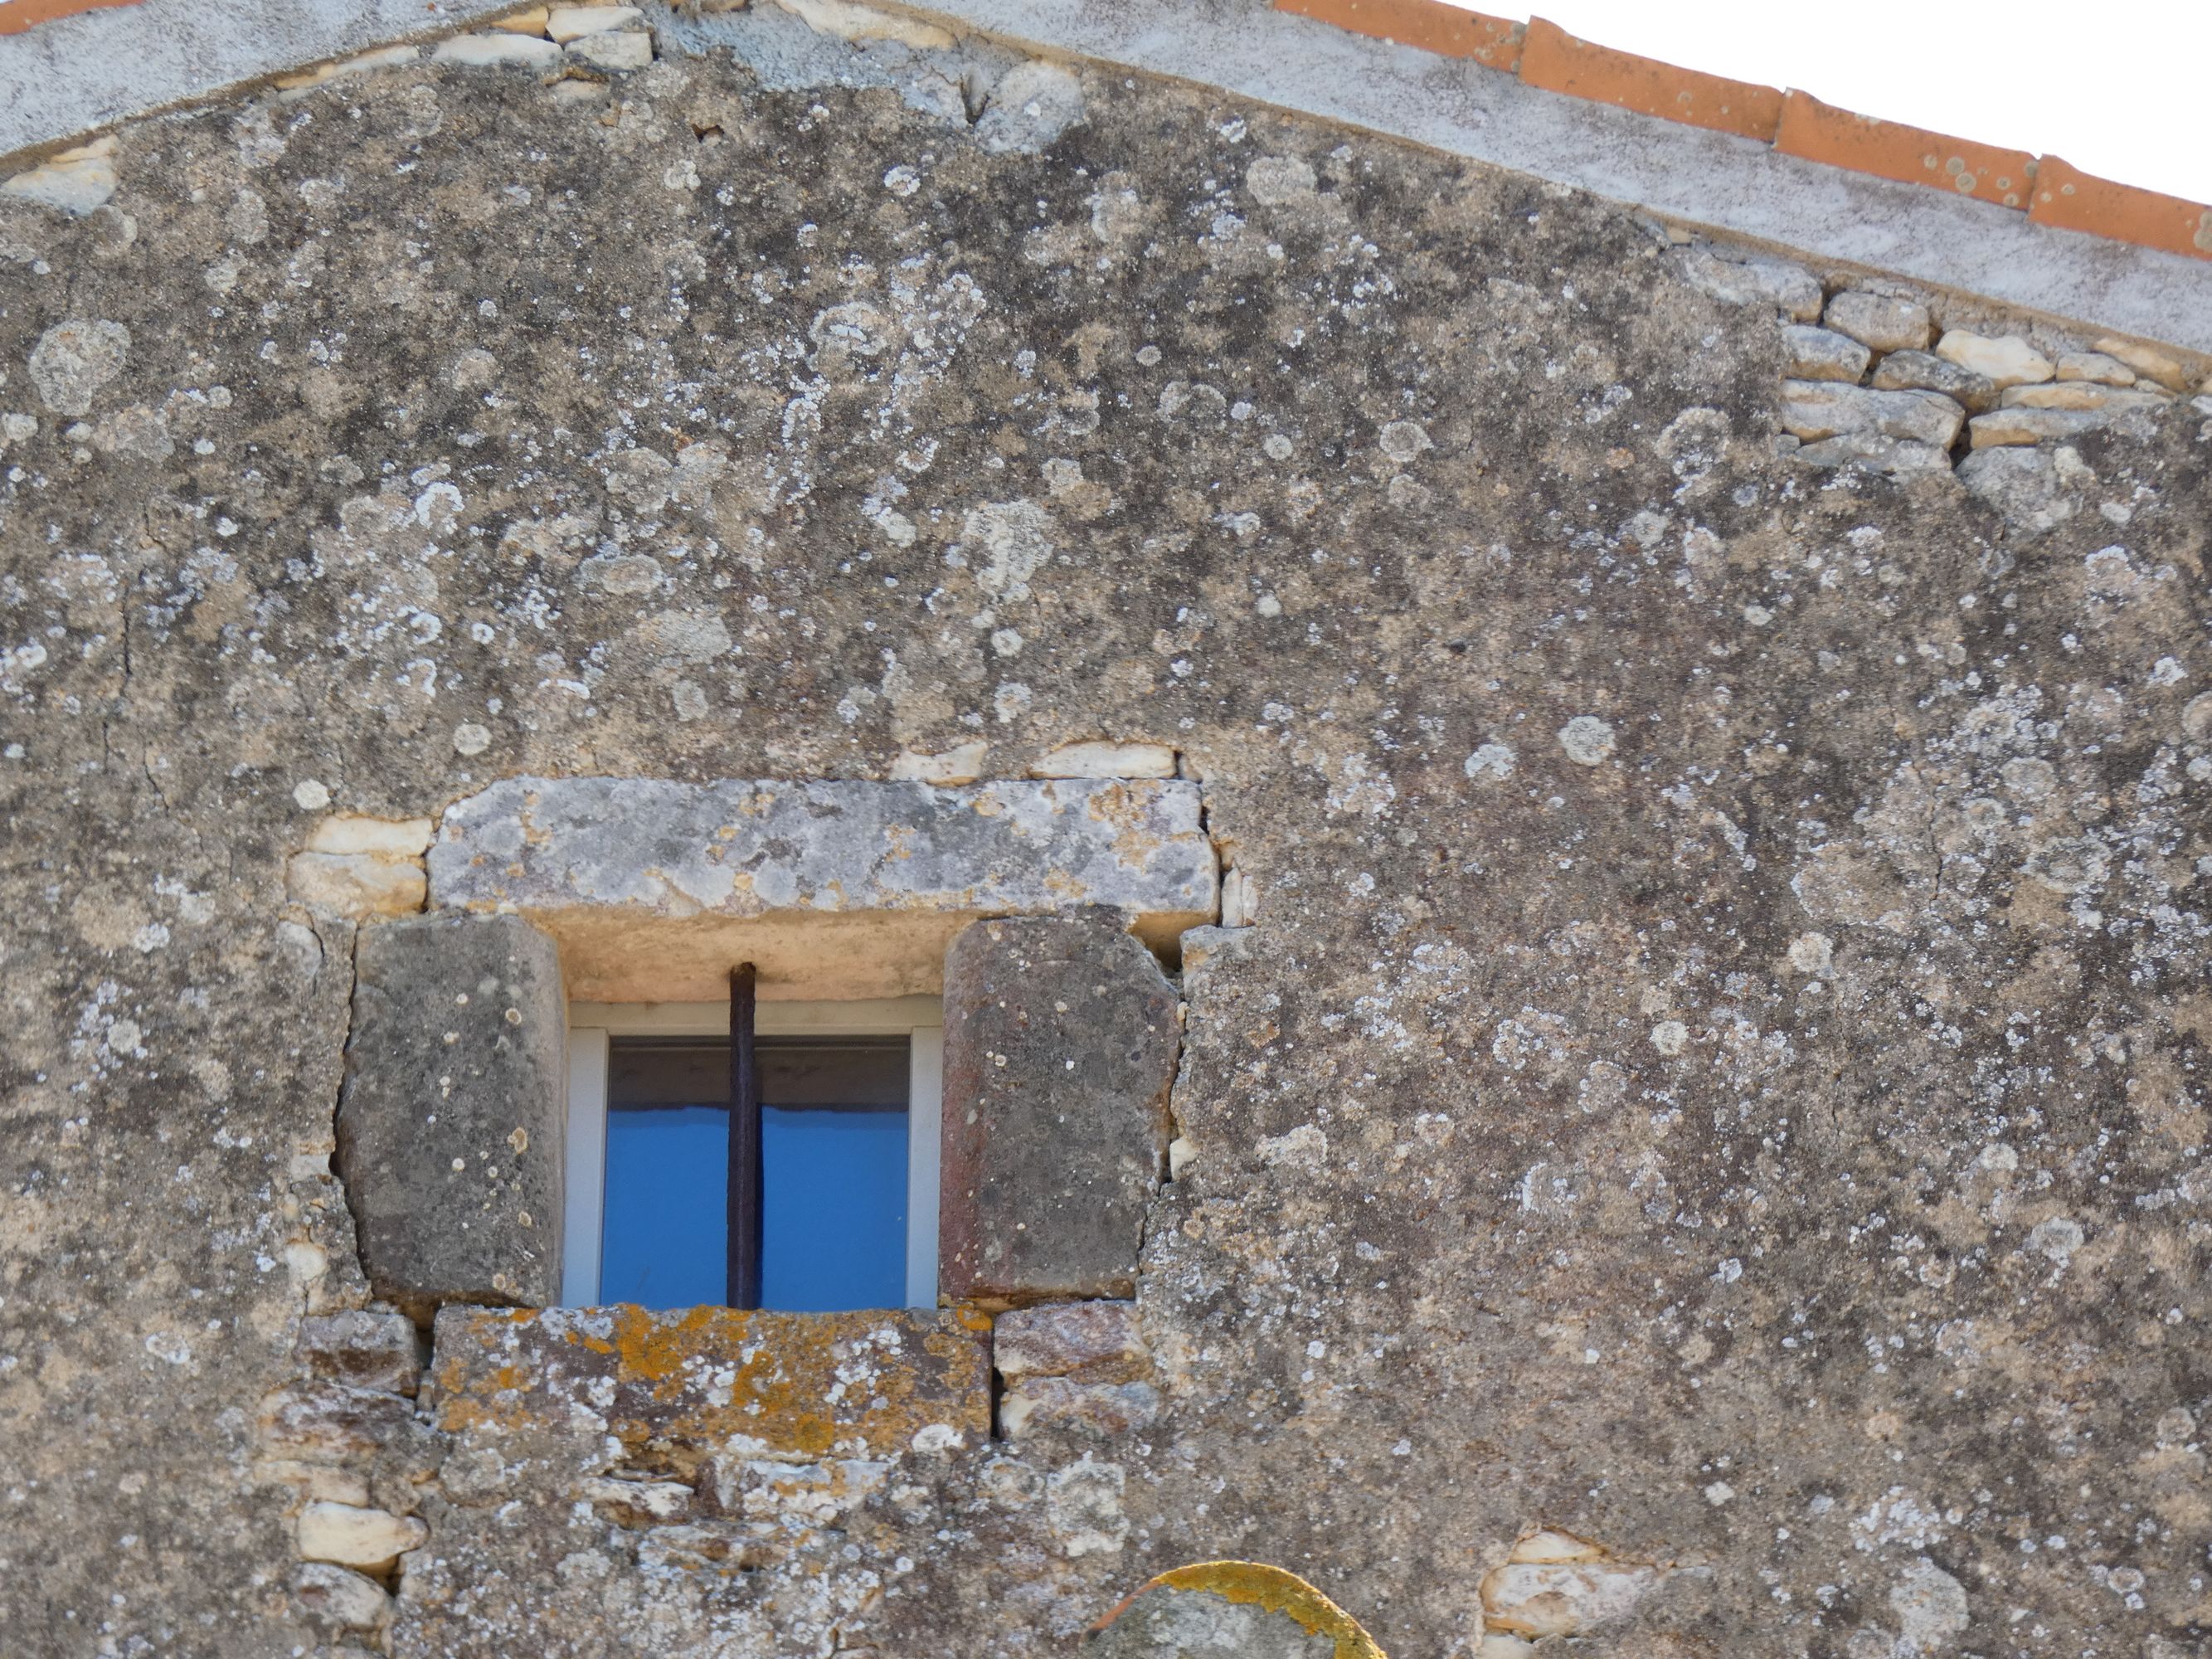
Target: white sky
[(2119, 88)]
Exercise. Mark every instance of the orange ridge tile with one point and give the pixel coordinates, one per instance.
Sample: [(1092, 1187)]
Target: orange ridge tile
[(1493, 42), (1557, 62), (17, 15), (2071, 199), (1889, 150)]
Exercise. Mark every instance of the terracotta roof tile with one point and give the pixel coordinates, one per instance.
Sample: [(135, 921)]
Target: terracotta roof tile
[(16, 15), (2073, 200), (1913, 155), (1428, 24), (1558, 62)]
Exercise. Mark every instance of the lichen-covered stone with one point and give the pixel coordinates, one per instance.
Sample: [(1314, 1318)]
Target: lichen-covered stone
[(1924, 371), (1820, 354), (1230, 1610), (1813, 409), (844, 889), (1648, 1151), (679, 1390), (453, 1119), (1060, 1048), (1879, 321)]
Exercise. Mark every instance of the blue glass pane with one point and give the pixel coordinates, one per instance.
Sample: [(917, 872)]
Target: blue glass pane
[(833, 1154), (666, 1238), (833, 1218)]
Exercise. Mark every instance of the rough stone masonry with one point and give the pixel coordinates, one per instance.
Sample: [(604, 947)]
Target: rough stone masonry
[(1702, 1149)]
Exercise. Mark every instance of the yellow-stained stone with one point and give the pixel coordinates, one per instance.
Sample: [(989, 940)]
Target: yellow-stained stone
[(871, 1385), (1254, 1584)]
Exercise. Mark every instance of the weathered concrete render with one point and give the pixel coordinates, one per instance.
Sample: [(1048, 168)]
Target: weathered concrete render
[(1060, 1041), (452, 1124), (1704, 1142), (850, 889)]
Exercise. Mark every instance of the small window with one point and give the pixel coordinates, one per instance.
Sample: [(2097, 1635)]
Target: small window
[(848, 1137)]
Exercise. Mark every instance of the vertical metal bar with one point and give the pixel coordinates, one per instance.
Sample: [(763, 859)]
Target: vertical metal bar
[(744, 1207)]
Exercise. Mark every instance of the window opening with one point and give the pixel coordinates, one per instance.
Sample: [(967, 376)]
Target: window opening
[(846, 1119)]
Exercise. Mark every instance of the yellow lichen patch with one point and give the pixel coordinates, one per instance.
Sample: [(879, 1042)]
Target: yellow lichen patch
[(1253, 1584), (689, 1381)]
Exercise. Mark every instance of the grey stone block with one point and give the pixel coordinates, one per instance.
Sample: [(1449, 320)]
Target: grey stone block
[(453, 1119), (1061, 1045)]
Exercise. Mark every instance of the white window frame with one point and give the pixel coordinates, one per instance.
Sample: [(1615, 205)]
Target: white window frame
[(593, 1027)]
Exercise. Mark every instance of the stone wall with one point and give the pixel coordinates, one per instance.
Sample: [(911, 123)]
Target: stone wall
[(1702, 1150)]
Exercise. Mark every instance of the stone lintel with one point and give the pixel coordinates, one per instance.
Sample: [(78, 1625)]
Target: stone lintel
[(835, 889)]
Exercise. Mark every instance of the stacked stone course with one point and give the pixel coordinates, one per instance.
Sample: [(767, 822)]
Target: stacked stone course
[(1885, 380)]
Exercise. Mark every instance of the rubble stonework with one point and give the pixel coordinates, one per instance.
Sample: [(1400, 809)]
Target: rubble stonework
[(1699, 1149), (1873, 387)]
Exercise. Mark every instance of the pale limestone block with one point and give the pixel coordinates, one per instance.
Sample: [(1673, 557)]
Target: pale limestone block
[(1813, 410), (349, 832), (2083, 394), (489, 51), (357, 885), (2033, 426), (1240, 900), (616, 53), (2006, 359), (962, 765), (1562, 1599), (2094, 366), (316, 1482), (340, 1597), (566, 23), (2148, 361), (352, 1537), (1104, 758), (292, 87), (850, 22), (1547, 1545), (531, 21), (1820, 353), (73, 181), (1878, 321)]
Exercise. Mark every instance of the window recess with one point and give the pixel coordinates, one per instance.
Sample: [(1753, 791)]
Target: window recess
[(849, 1108)]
